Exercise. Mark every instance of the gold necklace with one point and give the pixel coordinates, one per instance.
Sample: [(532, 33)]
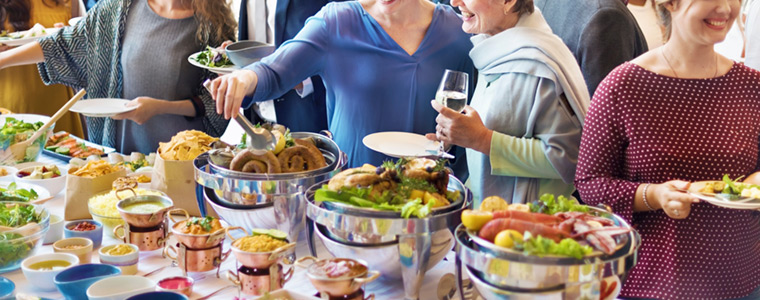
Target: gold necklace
[(662, 52)]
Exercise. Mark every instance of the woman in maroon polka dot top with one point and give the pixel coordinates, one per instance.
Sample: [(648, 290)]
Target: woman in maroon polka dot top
[(678, 114)]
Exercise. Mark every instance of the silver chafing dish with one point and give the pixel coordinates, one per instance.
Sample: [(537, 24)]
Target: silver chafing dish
[(271, 201), (499, 274), (397, 247)]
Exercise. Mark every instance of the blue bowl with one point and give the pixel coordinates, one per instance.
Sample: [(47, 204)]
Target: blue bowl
[(6, 288), (158, 296), (96, 235), (74, 282), (244, 53)]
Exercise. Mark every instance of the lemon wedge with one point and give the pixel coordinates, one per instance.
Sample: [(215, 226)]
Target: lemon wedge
[(280, 141)]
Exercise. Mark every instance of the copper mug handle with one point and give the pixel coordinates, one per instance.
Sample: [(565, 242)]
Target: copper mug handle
[(233, 278), (167, 252), (371, 276), (286, 277), (187, 215), (116, 193), (116, 232), (300, 262)]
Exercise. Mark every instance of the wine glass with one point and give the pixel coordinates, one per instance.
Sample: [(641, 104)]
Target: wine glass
[(452, 93)]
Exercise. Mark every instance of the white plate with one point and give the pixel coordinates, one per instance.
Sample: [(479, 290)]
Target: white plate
[(42, 193), (102, 107), (400, 144), (19, 42), (286, 294), (220, 71), (74, 21), (696, 186)]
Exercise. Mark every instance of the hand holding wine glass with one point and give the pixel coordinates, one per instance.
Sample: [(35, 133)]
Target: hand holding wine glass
[(452, 93)]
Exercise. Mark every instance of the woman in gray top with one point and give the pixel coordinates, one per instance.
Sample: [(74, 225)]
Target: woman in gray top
[(137, 49)]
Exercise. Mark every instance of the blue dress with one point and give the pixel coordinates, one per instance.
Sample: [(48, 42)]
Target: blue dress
[(372, 84)]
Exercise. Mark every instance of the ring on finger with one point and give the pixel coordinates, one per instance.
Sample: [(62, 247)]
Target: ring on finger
[(676, 212)]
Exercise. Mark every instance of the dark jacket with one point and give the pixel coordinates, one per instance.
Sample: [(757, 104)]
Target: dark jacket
[(602, 34), (299, 114)]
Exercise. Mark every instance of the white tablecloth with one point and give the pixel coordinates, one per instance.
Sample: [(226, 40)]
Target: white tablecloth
[(207, 282)]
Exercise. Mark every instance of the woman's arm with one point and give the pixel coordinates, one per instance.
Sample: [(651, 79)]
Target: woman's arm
[(600, 176), (24, 55)]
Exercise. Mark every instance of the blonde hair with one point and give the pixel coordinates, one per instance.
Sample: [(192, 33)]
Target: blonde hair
[(217, 23)]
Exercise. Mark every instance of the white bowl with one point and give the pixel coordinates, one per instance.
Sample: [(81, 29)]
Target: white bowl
[(119, 287), (53, 185), (11, 174), (43, 280), (127, 262), (55, 233)]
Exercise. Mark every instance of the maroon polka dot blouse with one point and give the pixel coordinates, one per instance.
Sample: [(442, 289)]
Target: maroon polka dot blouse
[(648, 128)]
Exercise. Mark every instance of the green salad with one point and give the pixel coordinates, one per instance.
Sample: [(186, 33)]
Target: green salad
[(15, 215), (13, 193), (213, 58), (15, 131), (13, 250), (540, 246)]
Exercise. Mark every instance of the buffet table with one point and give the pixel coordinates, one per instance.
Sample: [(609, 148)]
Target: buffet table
[(206, 283)]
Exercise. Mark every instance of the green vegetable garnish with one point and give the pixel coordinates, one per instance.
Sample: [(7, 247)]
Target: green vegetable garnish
[(13, 193), (541, 246), (274, 233), (204, 223), (213, 58), (548, 205)]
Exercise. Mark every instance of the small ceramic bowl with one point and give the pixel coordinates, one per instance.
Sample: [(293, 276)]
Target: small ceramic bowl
[(55, 232), (126, 262), (53, 185), (142, 185), (178, 284), (243, 53), (96, 235), (83, 251), (43, 279), (10, 174), (74, 282), (7, 287), (119, 287), (158, 296)]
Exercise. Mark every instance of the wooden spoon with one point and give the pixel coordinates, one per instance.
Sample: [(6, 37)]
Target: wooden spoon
[(18, 150)]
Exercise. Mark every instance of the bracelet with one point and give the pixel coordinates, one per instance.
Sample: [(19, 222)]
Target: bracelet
[(644, 197)]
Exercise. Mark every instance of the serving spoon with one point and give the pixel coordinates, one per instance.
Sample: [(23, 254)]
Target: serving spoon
[(256, 138), (17, 151)]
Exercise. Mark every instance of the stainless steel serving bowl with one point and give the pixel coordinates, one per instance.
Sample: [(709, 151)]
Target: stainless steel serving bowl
[(240, 190), (272, 201), (510, 271)]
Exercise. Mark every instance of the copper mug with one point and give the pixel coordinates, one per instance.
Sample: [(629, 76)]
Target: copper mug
[(258, 282), (146, 239), (348, 286), (196, 260)]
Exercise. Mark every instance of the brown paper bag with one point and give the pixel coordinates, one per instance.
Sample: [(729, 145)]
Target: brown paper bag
[(79, 190), (176, 178)]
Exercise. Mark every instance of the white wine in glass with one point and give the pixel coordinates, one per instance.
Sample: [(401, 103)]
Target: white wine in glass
[(452, 92), (451, 99)]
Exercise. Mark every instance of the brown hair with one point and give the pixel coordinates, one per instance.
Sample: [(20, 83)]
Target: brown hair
[(664, 15), (18, 12), (216, 21), (523, 6)]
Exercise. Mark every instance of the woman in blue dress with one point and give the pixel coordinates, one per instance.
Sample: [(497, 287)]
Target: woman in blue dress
[(381, 62)]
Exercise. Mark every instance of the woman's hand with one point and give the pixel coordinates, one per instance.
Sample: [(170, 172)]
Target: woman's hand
[(147, 108), (229, 91), (672, 198), (463, 129)]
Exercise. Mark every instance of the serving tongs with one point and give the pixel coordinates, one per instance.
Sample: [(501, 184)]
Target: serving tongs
[(256, 138)]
